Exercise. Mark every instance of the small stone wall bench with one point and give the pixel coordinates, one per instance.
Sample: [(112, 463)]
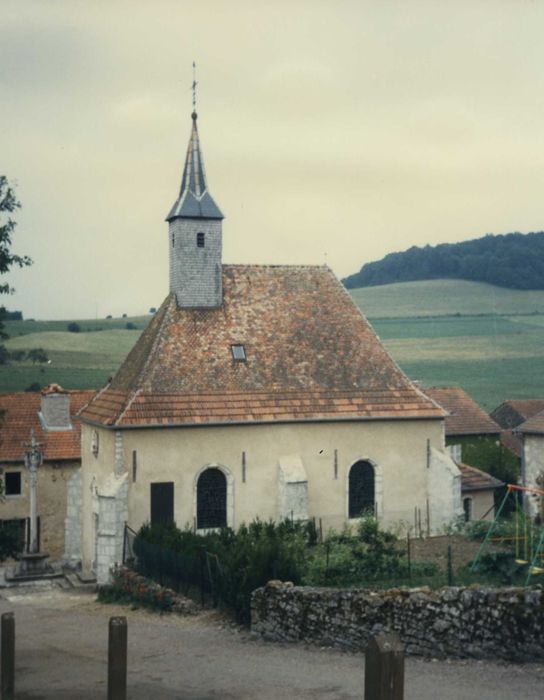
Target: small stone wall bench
[(505, 623)]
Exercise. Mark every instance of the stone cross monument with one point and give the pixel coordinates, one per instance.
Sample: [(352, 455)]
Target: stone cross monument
[(33, 460), (32, 563)]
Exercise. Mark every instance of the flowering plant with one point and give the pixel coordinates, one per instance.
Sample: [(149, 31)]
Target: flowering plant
[(129, 587)]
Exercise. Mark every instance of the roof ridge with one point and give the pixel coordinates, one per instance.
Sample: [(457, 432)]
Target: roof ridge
[(276, 265)]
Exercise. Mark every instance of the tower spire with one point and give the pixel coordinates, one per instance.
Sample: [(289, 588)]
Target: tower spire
[(194, 201), (195, 232)]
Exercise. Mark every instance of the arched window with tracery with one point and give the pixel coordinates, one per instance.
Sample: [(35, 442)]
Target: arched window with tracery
[(361, 498), (211, 499)]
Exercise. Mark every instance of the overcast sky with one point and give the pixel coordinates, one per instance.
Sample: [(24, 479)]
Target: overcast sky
[(334, 131)]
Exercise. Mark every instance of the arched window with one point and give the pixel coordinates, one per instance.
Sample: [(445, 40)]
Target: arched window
[(200, 240), (211, 499), (361, 489)]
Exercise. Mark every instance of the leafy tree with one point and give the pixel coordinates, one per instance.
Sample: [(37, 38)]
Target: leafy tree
[(8, 205), (130, 326), (74, 327), (17, 355), (153, 310), (513, 260), (37, 355)]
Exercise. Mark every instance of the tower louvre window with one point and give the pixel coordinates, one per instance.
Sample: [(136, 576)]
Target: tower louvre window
[(200, 240), (238, 353)]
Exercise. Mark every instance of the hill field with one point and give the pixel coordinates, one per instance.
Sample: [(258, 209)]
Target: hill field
[(489, 340)]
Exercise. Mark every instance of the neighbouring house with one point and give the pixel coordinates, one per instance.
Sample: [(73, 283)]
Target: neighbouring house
[(478, 493), (511, 414), (473, 438), (255, 391), (532, 464), (52, 415)]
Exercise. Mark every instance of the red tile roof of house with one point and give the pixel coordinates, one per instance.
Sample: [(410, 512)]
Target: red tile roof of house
[(534, 425), (512, 413), (464, 417), (310, 355), (473, 479), (19, 415)]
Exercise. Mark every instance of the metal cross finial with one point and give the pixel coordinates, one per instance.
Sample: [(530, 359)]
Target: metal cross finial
[(194, 87)]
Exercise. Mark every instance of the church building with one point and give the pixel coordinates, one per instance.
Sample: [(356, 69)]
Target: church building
[(255, 391)]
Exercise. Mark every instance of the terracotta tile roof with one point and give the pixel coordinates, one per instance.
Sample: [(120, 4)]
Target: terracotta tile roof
[(512, 413), (465, 416), (473, 479), (535, 424), (310, 355), (261, 406), (19, 414)]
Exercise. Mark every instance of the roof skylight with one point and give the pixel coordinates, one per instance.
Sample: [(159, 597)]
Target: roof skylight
[(238, 353)]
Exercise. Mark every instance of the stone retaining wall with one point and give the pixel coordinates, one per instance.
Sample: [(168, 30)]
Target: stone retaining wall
[(506, 623)]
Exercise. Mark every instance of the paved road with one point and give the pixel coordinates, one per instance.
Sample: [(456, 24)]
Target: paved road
[(61, 651)]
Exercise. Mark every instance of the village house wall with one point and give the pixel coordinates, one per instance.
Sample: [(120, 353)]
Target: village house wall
[(533, 467), (53, 478), (483, 503)]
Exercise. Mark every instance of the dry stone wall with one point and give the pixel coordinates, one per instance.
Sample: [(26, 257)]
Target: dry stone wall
[(506, 623)]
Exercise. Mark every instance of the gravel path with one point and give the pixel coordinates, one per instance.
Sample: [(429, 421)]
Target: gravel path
[(61, 652)]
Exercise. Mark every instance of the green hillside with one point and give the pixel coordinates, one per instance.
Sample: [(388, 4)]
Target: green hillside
[(445, 298), (489, 340), (76, 360)]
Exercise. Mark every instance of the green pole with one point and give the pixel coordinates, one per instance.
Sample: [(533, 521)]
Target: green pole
[(539, 548)]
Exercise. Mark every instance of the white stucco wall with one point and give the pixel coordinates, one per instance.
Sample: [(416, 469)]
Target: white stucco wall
[(444, 489), (533, 467), (406, 476)]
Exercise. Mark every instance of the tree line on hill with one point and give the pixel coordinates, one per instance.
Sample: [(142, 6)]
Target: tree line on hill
[(512, 260)]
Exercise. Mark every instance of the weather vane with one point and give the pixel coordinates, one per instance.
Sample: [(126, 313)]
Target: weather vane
[(194, 87)]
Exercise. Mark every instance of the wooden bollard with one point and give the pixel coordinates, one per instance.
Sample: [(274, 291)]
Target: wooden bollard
[(117, 659), (384, 668), (8, 656)]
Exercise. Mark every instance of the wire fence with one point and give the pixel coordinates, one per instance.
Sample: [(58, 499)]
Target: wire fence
[(340, 561)]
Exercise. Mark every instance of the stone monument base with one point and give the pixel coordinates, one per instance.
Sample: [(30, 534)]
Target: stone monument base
[(32, 567)]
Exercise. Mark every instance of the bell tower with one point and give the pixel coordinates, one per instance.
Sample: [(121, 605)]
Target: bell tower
[(195, 235)]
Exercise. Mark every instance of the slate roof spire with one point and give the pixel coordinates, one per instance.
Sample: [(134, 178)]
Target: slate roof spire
[(194, 200)]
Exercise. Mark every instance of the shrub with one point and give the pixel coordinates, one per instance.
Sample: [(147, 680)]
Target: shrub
[(37, 355), (233, 563), (502, 565), (130, 326), (128, 587), (355, 560), (74, 327)]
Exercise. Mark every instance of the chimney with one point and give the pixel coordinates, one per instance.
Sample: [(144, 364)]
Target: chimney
[(55, 408)]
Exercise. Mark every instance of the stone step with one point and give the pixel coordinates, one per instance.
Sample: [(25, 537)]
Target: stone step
[(75, 581)]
